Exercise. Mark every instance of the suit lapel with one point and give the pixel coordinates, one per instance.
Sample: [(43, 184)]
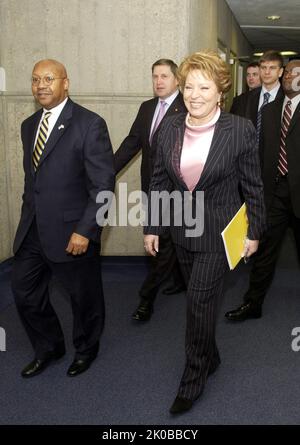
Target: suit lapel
[(176, 148), (271, 132), (149, 116), (280, 94), (295, 118), (277, 116), (176, 106), (253, 105), (32, 134), (58, 131), (218, 145)]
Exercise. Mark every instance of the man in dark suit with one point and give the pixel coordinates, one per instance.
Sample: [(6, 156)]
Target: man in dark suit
[(270, 71), (143, 136), (239, 102), (279, 146), (68, 161)]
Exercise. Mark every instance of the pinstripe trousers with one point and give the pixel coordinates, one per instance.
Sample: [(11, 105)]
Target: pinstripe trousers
[(204, 276)]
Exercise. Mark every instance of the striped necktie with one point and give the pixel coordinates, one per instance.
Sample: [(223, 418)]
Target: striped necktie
[(41, 140), (286, 120), (258, 125)]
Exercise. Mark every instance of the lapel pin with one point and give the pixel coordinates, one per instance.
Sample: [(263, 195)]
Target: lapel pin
[(61, 127)]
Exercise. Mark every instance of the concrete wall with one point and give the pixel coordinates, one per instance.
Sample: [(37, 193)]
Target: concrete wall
[(108, 47), (233, 41)]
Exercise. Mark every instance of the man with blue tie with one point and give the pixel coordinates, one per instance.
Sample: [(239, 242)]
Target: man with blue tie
[(270, 71), (68, 161), (280, 158), (143, 136)]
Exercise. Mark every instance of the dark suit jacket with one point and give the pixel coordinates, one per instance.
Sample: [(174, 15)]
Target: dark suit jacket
[(252, 101), (239, 104), (76, 164), (233, 158), (138, 138), (269, 149)]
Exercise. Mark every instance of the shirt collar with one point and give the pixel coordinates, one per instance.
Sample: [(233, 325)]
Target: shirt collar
[(171, 98), (55, 111), (272, 92), (295, 101)]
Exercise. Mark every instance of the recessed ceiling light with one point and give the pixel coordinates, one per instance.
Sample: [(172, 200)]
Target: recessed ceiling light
[(273, 17), (258, 54)]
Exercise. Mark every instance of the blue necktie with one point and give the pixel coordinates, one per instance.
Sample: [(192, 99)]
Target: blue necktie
[(258, 125)]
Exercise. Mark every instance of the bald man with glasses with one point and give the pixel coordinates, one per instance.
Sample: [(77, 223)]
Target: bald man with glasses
[(68, 161)]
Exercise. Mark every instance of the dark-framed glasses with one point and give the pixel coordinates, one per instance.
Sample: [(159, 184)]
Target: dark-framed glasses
[(47, 80)]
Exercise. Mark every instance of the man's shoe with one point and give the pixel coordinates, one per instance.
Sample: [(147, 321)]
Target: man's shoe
[(39, 365), (174, 290), (181, 405), (246, 310), (78, 366), (143, 311)]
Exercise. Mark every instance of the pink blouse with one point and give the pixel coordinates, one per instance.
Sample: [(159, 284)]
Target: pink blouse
[(195, 149)]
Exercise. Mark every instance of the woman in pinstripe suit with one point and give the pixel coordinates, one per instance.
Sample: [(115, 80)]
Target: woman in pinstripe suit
[(211, 151)]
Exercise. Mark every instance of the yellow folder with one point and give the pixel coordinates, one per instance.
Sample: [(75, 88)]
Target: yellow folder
[(234, 236)]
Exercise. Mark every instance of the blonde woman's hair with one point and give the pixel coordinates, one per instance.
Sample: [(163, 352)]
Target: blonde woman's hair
[(212, 67)]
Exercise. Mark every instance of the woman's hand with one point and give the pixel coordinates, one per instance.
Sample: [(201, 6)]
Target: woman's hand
[(151, 244), (250, 247)]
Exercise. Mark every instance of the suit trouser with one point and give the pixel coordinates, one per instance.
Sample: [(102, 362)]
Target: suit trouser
[(164, 266), (280, 217), (81, 278), (204, 275)]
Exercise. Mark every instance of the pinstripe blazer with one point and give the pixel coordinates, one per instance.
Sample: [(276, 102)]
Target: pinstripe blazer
[(233, 158)]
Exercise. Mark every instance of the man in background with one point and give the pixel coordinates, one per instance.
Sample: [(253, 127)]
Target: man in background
[(239, 102), (143, 136), (279, 146), (270, 71), (252, 76)]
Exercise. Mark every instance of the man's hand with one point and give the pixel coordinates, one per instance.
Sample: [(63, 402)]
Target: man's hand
[(151, 244), (78, 244), (250, 247)]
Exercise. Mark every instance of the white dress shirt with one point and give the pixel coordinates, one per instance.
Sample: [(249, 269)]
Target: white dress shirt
[(169, 100), (295, 101), (272, 93), (55, 112)]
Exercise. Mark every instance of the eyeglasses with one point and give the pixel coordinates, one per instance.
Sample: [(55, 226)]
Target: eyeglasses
[(47, 80)]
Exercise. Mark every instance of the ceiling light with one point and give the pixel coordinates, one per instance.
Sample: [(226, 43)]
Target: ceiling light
[(288, 53), (283, 53), (273, 17)]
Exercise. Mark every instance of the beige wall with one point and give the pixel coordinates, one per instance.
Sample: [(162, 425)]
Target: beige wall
[(108, 47)]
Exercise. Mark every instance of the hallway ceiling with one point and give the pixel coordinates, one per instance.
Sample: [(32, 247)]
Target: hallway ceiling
[(264, 34)]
